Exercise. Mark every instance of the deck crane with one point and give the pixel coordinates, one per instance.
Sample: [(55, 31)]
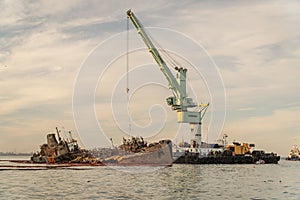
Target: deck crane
[(180, 102)]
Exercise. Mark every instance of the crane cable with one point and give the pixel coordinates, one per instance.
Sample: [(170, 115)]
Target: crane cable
[(127, 75), (169, 59), (166, 55), (127, 57)]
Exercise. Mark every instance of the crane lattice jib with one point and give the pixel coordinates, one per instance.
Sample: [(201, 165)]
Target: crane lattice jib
[(173, 84)]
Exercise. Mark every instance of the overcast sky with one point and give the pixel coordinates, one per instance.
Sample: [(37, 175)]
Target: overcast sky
[(255, 46)]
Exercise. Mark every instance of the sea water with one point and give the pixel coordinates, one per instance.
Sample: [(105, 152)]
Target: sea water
[(274, 181)]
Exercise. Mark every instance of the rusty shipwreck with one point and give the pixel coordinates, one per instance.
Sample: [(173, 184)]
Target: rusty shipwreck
[(63, 151)]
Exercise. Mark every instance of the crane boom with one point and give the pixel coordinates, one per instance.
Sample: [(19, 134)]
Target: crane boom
[(180, 102)]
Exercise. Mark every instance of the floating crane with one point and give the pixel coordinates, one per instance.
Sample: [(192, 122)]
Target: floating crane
[(179, 102)]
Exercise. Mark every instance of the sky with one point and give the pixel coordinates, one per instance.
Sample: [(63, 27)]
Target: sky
[(45, 45)]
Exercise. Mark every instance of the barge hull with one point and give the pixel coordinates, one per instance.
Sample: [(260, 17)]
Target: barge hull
[(191, 158)]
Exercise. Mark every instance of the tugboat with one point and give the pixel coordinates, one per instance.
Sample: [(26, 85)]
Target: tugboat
[(294, 154), (136, 152)]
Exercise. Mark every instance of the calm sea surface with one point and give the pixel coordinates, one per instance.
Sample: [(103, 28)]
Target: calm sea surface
[(280, 181)]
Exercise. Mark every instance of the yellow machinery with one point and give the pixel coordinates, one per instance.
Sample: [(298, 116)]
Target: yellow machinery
[(239, 149)]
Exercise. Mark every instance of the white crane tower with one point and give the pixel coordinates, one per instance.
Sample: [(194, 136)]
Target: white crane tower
[(180, 102)]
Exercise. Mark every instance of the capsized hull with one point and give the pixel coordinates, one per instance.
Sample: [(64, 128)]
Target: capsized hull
[(158, 155)]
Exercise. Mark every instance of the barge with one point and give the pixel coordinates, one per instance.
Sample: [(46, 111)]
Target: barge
[(235, 153)]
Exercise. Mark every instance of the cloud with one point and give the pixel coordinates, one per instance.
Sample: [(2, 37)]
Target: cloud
[(255, 45)]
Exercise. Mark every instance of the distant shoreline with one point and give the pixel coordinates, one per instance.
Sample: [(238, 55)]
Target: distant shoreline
[(14, 154)]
